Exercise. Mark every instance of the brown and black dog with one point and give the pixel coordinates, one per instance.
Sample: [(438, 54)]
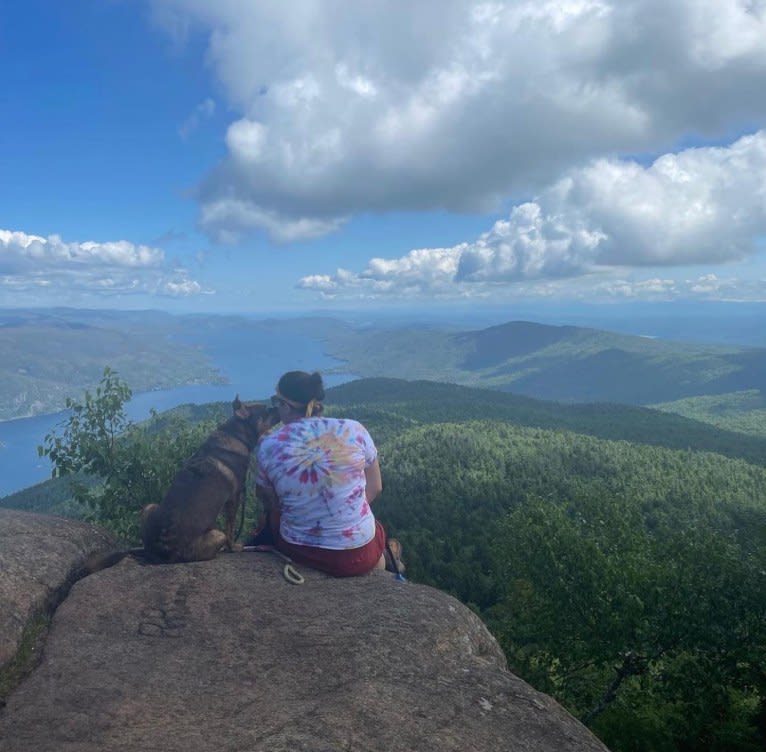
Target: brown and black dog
[(182, 527)]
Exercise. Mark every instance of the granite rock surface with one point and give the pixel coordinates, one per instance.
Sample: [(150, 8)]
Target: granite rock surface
[(228, 655)]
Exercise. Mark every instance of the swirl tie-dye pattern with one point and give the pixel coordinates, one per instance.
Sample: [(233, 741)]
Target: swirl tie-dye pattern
[(316, 468)]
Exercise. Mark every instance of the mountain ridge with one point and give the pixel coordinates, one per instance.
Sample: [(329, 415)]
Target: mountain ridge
[(50, 355), (635, 423), (562, 363)]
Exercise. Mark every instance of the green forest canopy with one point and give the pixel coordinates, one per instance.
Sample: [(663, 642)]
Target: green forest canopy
[(624, 578)]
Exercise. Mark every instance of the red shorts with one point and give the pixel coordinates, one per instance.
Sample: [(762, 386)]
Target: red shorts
[(344, 563)]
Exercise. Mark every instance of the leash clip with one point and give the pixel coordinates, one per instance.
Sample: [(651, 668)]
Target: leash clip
[(292, 575)]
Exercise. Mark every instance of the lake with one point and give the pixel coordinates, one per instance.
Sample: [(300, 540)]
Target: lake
[(252, 360)]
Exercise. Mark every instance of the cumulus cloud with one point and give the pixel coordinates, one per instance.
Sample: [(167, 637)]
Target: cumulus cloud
[(426, 271), (19, 250), (182, 287), (699, 206), (32, 262), (372, 107), (703, 205)]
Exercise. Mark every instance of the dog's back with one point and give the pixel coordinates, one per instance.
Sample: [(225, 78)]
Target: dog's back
[(213, 476)]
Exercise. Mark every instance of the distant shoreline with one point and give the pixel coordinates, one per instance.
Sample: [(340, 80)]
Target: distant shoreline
[(222, 381), (245, 360)]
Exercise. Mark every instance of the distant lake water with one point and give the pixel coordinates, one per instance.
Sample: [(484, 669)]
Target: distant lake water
[(252, 360)]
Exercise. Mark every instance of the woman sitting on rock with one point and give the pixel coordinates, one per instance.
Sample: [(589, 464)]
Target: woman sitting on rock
[(317, 478)]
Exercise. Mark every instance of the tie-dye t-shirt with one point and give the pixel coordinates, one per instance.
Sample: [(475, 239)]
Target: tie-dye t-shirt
[(316, 468)]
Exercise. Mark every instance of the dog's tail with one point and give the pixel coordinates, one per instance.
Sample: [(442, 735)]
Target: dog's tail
[(96, 562)]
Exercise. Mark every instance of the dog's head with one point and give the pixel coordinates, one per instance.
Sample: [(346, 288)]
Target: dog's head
[(259, 417)]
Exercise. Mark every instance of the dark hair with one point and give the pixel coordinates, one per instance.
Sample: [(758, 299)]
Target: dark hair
[(303, 387)]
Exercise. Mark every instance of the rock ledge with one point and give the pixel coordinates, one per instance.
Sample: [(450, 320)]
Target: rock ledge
[(226, 655)]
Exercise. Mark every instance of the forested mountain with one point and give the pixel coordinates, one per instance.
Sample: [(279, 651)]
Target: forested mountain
[(563, 363), (395, 404), (616, 552), (47, 356), (743, 412)]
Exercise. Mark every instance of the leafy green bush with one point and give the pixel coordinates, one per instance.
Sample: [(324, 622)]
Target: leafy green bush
[(117, 467)]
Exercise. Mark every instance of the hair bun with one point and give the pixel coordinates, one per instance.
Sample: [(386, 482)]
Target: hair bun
[(317, 387), (301, 386)]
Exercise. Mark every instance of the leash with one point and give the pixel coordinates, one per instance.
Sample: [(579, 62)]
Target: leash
[(397, 574), (289, 572), (241, 517)]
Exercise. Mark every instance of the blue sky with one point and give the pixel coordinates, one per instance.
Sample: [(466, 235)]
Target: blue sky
[(259, 156)]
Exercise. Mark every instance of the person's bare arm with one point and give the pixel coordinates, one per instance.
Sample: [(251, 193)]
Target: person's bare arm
[(373, 481)]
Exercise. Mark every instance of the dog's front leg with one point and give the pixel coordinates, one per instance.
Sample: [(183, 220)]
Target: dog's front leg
[(206, 546)]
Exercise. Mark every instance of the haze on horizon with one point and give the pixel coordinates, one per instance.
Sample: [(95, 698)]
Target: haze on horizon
[(253, 156)]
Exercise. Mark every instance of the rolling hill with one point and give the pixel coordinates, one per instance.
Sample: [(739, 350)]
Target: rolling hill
[(47, 356), (395, 403), (562, 363)]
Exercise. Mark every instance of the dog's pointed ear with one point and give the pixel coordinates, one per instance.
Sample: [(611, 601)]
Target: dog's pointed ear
[(239, 409)]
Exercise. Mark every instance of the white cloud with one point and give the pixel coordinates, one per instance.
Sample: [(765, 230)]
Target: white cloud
[(428, 268), (18, 249), (703, 205), (227, 219), (713, 287), (529, 245), (182, 287), (709, 283), (618, 288), (699, 207), (705, 287), (345, 108), (426, 271), (32, 262)]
